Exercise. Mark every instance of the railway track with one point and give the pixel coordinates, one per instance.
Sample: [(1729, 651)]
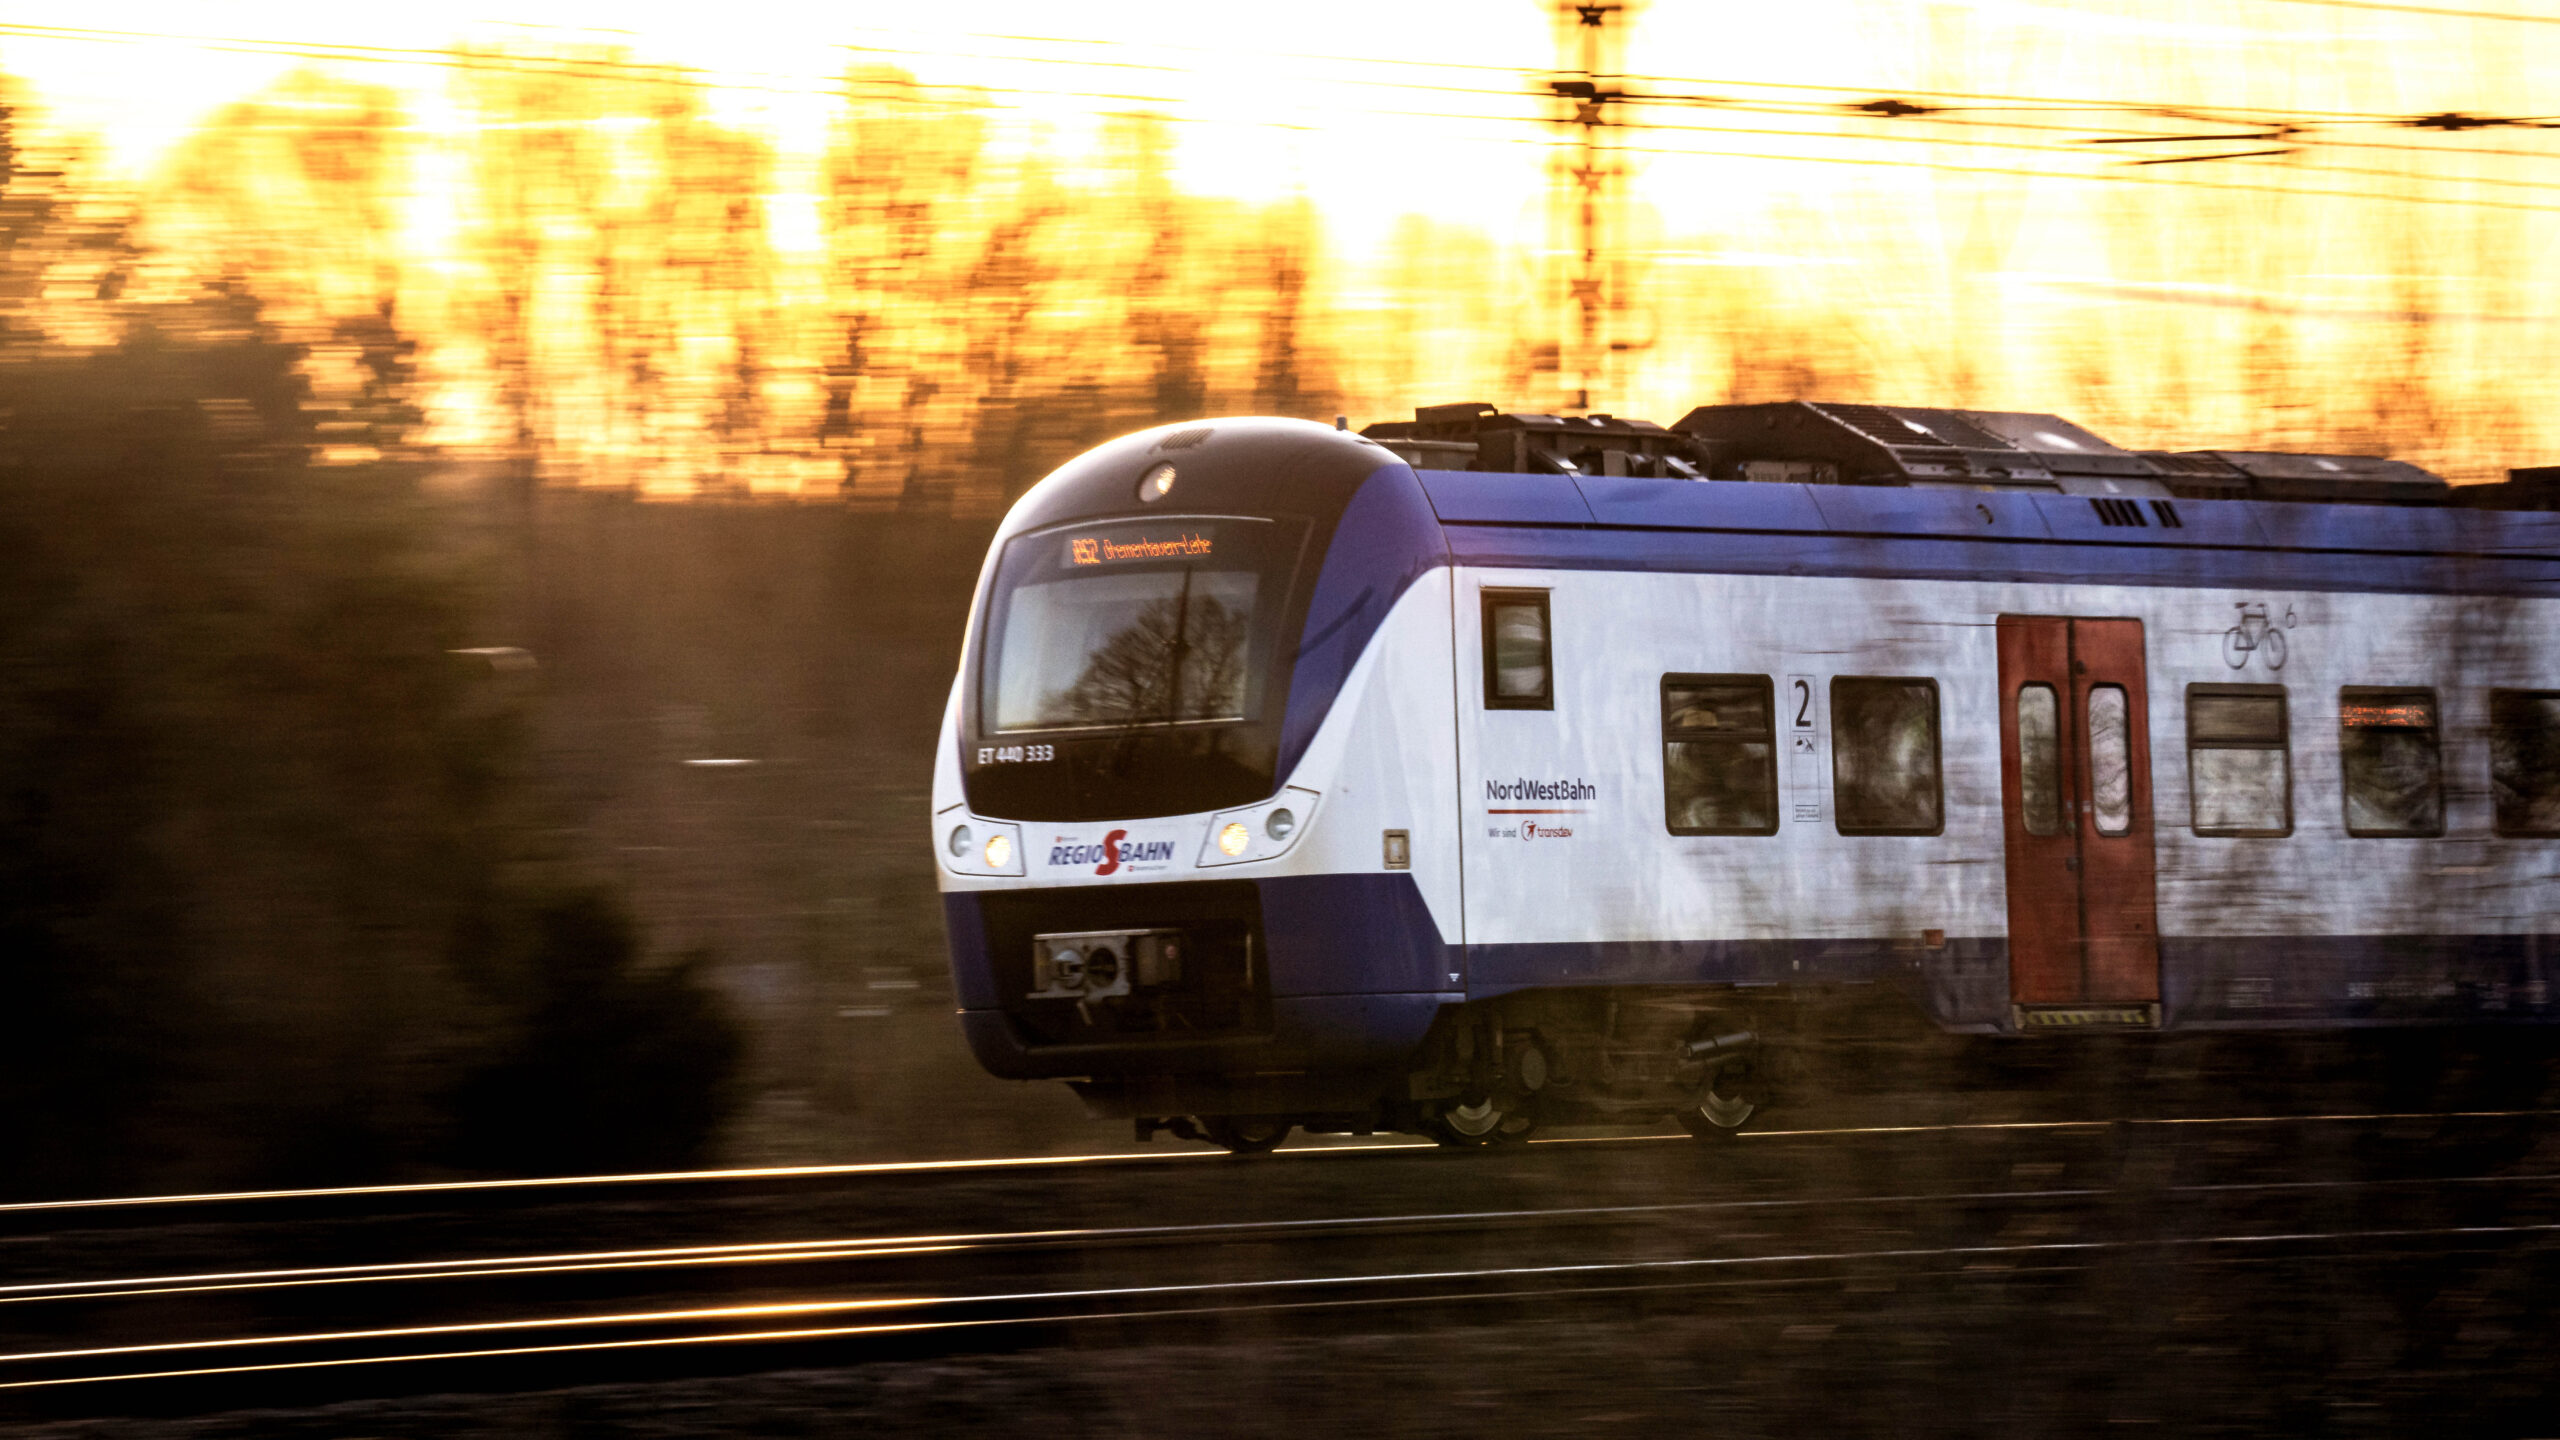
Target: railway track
[(158, 1209), (394, 1288)]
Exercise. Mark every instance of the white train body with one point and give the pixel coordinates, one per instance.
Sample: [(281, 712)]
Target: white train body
[(1467, 873)]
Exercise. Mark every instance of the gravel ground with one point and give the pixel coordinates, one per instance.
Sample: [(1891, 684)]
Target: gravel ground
[(2238, 1351), (2391, 1339)]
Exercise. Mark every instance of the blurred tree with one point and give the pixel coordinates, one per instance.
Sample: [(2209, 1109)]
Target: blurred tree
[(606, 303), (1000, 314), (626, 273), (1167, 320), (1282, 385), (263, 836), (900, 196), (1006, 366), (297, 193)]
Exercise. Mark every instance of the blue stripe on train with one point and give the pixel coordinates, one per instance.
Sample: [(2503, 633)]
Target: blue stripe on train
[(1963, 983), (1472, 499), (1767, 529), (2275, 980), (2224, 982), (1355, 935), (1322, 935), (1387, 538), (1340, 934), (2031, 562)]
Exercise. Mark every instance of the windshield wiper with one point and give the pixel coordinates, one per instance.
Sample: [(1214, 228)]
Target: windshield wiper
[(1178, 650)]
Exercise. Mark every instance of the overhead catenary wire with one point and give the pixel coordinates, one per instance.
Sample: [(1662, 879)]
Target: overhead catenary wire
[(605, 66), (1530, 74), (2298, 125), (2299, 122), (2048, 148), (2106, 176), (2432, 12), (600, 66)]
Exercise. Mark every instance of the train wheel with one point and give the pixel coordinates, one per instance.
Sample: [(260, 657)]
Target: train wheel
[(1483, 1121), (1474, 1123), (1724, 1104), (1244, 1134)]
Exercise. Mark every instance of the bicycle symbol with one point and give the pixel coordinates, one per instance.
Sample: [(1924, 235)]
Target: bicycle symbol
[(2254, 634)]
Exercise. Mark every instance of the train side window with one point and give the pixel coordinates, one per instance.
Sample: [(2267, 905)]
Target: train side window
[(2040, 759), (1884, 756), (2110, 761), (1519, 658), (2524, 760), (2394, 767), (1719, 755), (2239, 761)]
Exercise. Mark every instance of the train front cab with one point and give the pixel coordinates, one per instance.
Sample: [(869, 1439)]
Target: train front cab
[(1191, 800)]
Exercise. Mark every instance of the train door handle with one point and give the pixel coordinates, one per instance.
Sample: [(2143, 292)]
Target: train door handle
[(2070, 862)]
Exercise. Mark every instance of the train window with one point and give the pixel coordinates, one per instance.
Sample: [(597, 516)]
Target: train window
[(2524, 760), (1519, 660), (1884, 756), (2110, 760), (2239, 761), (2395, 772), (1719, 755), (2040, 759)]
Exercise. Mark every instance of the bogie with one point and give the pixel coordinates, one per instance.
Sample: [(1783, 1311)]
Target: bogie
[(1245, 1134)]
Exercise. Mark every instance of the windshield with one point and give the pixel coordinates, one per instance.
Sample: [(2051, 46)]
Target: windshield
[(1131, 624)]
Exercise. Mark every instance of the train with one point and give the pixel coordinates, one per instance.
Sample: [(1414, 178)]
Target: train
[(1487, 770)]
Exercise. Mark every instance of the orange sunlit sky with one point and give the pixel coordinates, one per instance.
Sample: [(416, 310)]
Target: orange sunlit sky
[(2188, 223), (1305, 100)]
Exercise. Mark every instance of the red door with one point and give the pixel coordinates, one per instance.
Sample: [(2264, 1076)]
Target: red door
[(2075, 782)]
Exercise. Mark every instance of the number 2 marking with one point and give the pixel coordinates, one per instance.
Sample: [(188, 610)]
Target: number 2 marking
[(1804, 704)]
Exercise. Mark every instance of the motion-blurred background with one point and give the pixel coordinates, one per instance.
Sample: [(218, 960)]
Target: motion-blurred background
[(488, 506)]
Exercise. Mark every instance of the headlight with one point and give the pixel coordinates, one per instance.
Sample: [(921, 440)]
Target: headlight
[(1253, 834), (999, 851), (959, 842)]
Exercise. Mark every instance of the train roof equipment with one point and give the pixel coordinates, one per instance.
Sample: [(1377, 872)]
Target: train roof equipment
[(1921, 447), (1916, 446), (2327, 479), (1477, 436)]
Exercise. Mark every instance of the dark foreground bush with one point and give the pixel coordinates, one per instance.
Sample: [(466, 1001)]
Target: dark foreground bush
[(612, 1066)]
